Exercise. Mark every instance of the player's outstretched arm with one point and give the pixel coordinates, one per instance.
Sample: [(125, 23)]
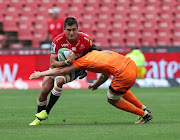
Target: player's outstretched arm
[(53, 72), (103, 78)]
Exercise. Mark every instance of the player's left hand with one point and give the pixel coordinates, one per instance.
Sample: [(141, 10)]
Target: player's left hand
[(35, 75), (83, 74), (92, 86), (71, 57)]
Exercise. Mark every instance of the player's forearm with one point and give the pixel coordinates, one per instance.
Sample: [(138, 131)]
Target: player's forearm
[(59, 71), (103, 78), (52, 72), (57, 64), (54, 63)]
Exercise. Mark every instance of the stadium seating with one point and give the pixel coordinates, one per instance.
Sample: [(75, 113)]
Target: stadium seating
[(107, 22), (9, 24), (16, 46)]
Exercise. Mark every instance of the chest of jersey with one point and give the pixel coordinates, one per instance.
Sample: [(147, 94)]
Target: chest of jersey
[(54, 26), (78, 48)]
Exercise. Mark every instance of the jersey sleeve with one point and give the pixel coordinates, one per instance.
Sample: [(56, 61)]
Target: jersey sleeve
[(56, 44), (87, 43), (54, 47)]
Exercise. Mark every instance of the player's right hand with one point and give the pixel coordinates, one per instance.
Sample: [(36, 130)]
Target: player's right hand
[(35, 75), (71, 57), (92, 86)]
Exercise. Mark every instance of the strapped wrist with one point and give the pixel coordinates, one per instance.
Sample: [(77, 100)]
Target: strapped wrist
[(67, 63)]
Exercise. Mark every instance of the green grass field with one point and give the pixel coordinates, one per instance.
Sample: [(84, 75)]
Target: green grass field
[(86, 115)]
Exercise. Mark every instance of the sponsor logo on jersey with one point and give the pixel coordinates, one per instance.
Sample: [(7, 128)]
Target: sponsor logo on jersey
[(73, 48), (52, 49), (82, 46), (65, 45), (53, 46)]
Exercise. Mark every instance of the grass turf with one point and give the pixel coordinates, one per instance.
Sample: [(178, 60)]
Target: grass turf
[(85, 115)]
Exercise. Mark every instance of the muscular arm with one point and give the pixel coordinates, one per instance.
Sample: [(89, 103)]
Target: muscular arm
[(54, 63), (103, 78), (53, 72)]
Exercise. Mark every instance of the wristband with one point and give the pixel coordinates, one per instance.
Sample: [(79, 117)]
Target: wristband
[(66, 62)]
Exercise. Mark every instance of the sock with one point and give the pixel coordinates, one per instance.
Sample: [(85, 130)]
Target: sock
[(41, 105), (128, 96), (53, 98), (126, 106), (143, 107), (40, 108), (145, 113)]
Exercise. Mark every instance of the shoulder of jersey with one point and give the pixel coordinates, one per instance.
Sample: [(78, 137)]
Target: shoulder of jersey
[(59, 37), (85, 36)]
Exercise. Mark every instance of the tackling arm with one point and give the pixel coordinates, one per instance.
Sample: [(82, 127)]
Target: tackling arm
[(103, 78), (53, 72)]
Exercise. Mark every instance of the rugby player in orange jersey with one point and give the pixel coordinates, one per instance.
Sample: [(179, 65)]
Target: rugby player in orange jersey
[(108, 63)]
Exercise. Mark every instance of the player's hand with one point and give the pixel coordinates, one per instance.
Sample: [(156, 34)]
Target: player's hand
[(35, 75), (83, 74), (71, 57), (92, 86)]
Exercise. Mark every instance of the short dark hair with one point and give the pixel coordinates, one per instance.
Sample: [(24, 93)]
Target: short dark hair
[(70, 21), (94, 47)]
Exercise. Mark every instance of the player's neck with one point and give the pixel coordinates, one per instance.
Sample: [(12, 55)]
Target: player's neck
[(74, 41)]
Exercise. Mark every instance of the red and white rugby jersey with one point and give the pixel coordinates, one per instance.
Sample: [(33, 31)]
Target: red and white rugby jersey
[(80, 47), (55, 27)]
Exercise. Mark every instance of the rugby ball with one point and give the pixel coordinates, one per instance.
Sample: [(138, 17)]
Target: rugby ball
[(62, 54)]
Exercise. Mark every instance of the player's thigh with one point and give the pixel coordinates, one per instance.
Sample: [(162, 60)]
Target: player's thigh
[(47, 85), (114, 95), (122, 82), (60, 80)]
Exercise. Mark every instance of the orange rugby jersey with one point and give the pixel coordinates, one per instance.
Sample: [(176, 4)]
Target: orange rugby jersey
[(107, 62)]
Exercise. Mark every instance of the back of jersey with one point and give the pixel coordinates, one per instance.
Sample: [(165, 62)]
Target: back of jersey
[(107, 62)]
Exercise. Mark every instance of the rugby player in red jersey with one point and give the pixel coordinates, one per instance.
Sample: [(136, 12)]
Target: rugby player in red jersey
[(80, 44), (55, 25)]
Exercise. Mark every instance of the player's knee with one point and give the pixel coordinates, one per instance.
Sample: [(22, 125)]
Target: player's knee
[(58, 82), (113, 97), (110, 101)]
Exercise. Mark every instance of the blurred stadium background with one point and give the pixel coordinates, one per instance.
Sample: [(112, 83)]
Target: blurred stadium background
[(118, 25)]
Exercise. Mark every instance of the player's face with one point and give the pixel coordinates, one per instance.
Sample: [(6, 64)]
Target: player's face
[(54, 15), (71, 32)]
